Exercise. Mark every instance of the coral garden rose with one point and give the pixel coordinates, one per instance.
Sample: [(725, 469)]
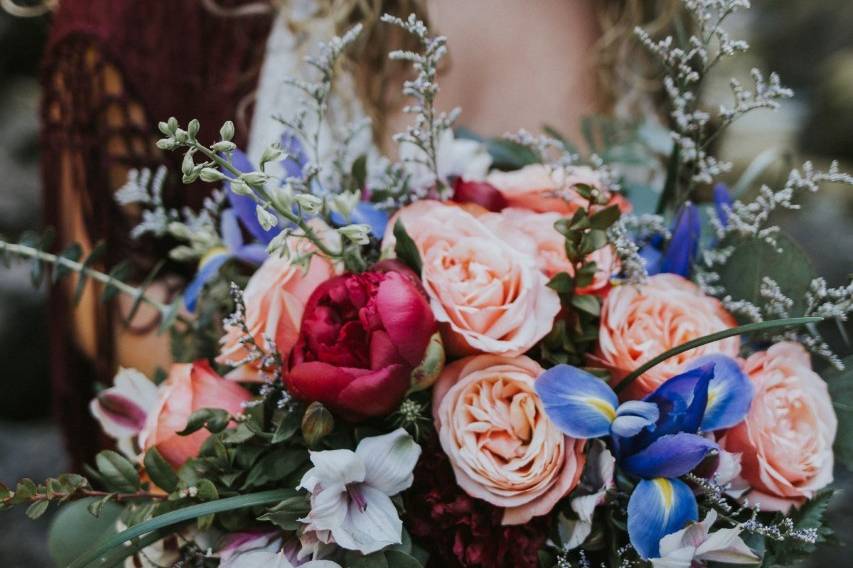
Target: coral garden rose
[(489, 297), (542, 189), (275, 300), (502, 446), (534, 235), (362, 336), (640, 322), (188, 388), (786, 440)]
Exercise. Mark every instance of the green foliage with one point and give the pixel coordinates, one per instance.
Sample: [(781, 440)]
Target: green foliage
[(117, 473), (405, 248), (74, 529), (214, 419), (810, 515), (508, 155), (754, 259), (159, 470), (841, 391), (585, 232)]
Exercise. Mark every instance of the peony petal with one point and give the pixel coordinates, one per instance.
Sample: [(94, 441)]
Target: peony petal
[(406, 316), (669, 456), (581, 405), (389, 461), (375, 393), (730, 392), (658, 507)]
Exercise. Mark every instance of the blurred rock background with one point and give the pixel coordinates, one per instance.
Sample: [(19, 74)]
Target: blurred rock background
[(809, 43)]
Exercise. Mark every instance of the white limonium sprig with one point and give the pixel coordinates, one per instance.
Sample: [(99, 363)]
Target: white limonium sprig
[(428, 124), (686, 65), (625, 233)]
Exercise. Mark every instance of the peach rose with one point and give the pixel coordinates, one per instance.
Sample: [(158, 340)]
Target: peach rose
[(542, 189), (534, 235), (502, 446), (189, 387), (641, 322), (275, 298), (786, 440), (487, 296)]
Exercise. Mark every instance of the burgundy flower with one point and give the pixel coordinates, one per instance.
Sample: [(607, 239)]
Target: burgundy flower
[(360, 339), (460, 531), (479, 192)]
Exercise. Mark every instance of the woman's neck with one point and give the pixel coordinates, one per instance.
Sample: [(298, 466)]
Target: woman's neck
[(516, 64)]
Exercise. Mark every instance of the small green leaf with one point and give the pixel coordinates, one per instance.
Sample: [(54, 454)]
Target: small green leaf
[(286, 428), (359, 172), (592, 241), (72, 253), (95, 507), (37, 509), (170, 315), (605, 218), (93, 257), (562, 283), (405, 248), (508, 155), (206, 490), (117, 472), (374, 560), (275, 466), (159, 470), (119, 273), (587, 303), (214, 419)]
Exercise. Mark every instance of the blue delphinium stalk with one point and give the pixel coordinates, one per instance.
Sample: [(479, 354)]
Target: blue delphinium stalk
[(657, 439)]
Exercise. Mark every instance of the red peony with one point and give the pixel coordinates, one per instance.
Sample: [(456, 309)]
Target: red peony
[(479, 192), (460, 531), (361, 337)]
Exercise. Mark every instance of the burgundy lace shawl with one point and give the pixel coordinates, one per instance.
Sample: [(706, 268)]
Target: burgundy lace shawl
[(170, 58)]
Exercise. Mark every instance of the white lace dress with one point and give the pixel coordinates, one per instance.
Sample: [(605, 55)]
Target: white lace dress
[(284, 58)]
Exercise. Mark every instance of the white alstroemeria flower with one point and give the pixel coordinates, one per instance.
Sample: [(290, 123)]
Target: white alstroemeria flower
[(351, 491), (123, 409), (694, 545), (596, 480), (467, 159), (266, 559)]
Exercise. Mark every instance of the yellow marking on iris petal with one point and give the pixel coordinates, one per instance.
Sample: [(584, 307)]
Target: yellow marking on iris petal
[(713, 395), (214, 252), (602, 406), (666, 492)]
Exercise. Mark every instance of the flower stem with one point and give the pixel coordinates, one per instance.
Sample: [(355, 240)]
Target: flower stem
[(78, 267), (698, 342), (289, 215)]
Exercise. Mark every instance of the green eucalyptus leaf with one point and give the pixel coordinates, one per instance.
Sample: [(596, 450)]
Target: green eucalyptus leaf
[(840, 385), (509, 155), (159, 470), (73, 253), (215, 419), (753, 259), (117, 472)]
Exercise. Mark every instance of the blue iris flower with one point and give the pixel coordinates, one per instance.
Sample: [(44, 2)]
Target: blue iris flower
[(234, 248), (657, 439), (678, 255)]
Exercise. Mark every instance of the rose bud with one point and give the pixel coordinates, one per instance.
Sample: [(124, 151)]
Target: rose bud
[(317, 423), (362, 336), (188, 388)]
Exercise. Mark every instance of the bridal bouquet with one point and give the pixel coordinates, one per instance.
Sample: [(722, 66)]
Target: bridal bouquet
[(484, 354)]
